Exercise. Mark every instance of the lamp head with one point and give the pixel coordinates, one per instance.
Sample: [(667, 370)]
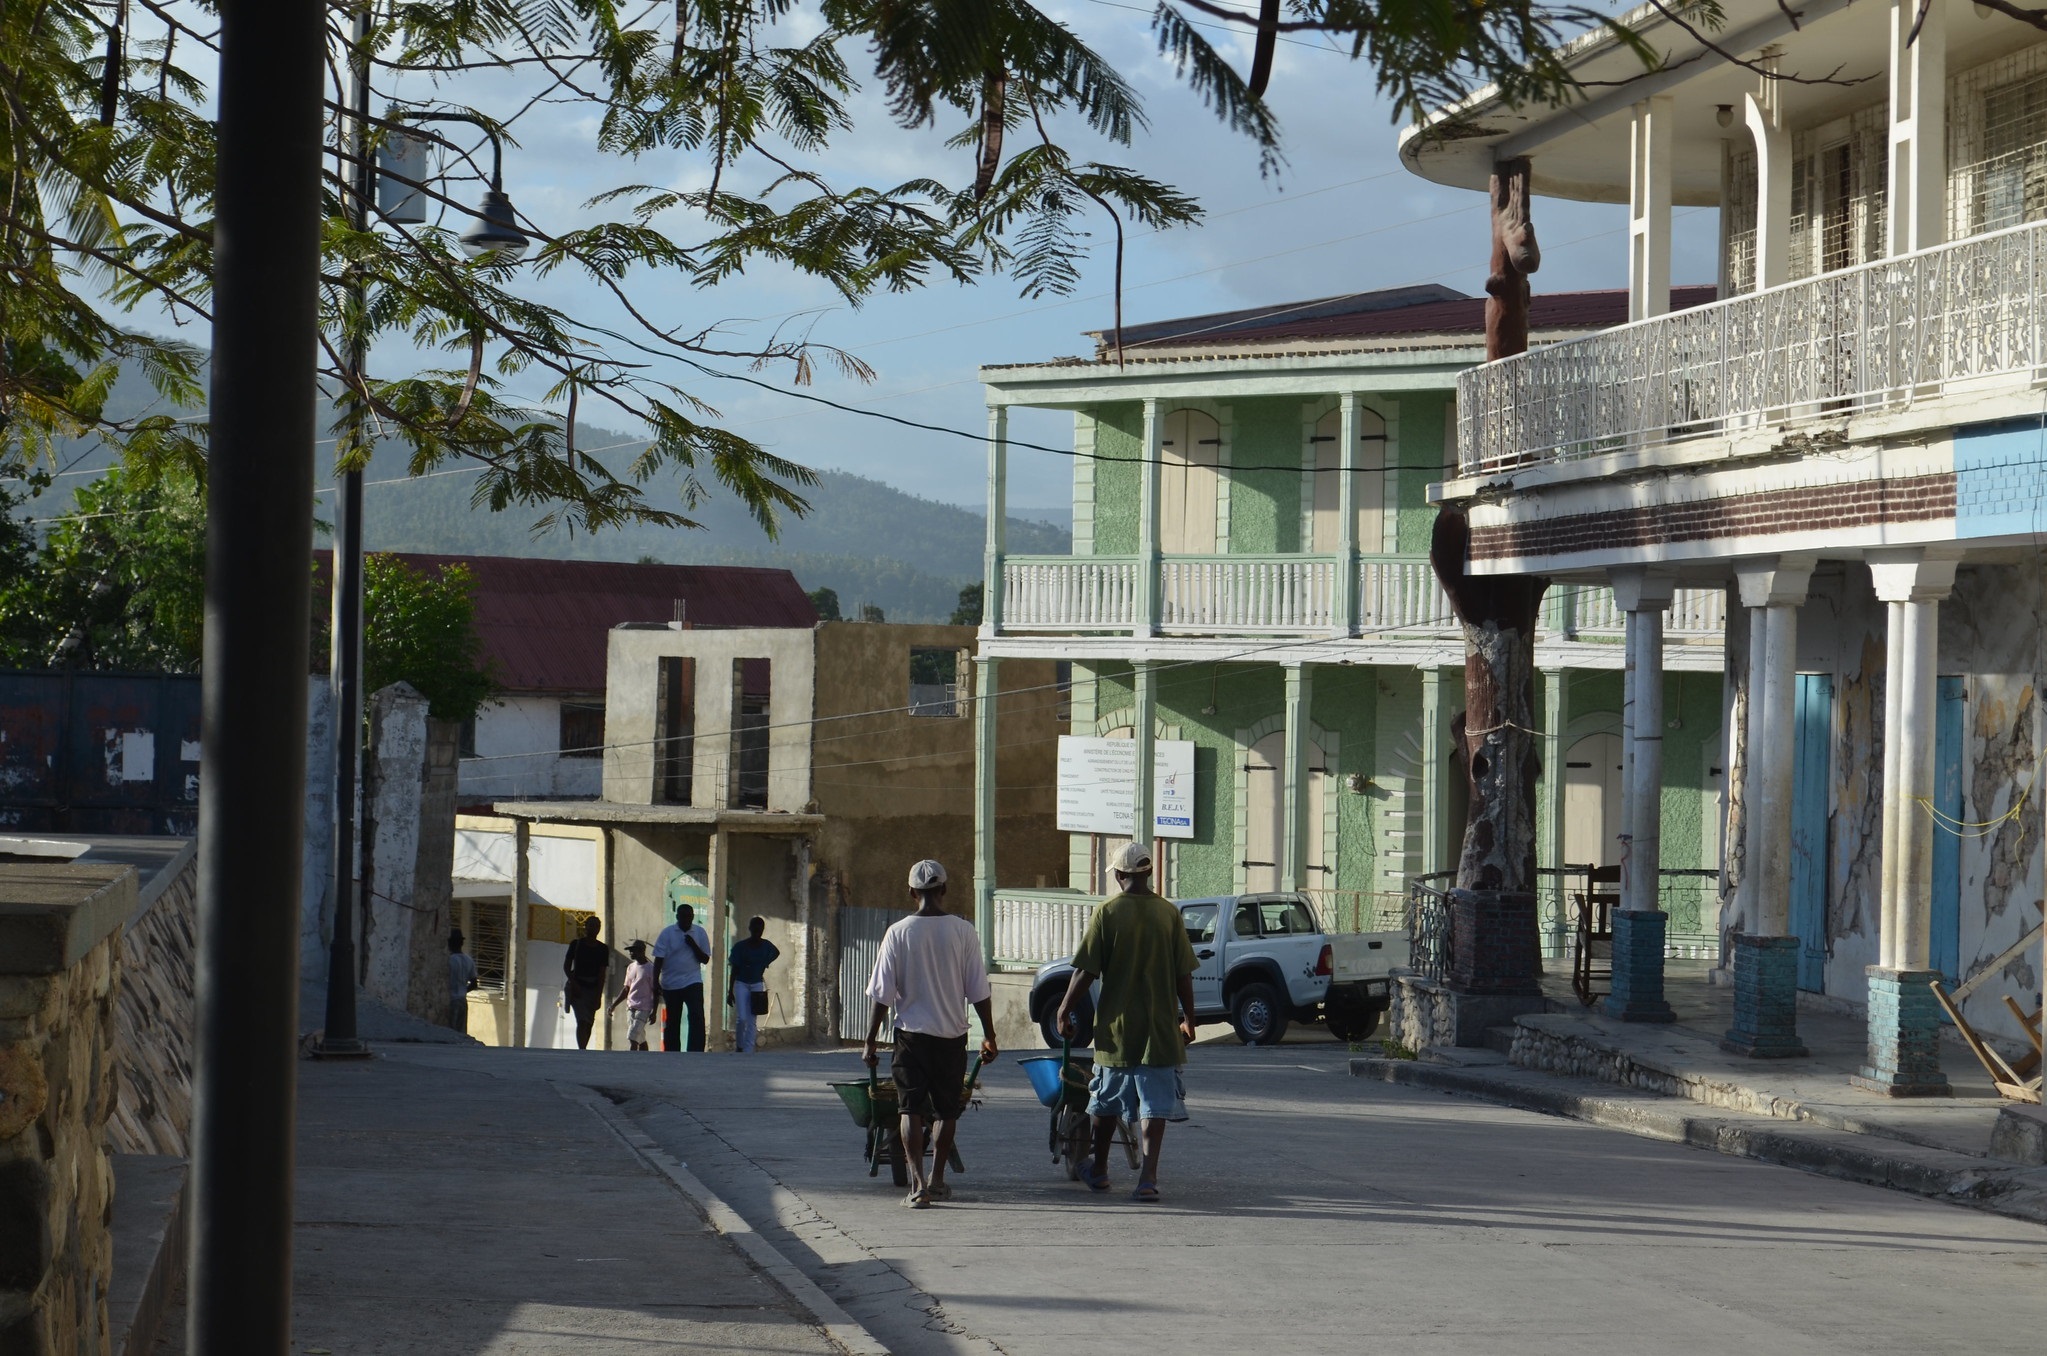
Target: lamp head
[(1724, 115), (495, 231)]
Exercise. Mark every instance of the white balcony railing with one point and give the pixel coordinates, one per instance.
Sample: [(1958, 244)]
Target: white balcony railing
[(1266, 595), (1941, 321), (1036, 926), (1278, 595)]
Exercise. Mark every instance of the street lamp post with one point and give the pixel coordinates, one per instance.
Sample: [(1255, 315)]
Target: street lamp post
[(495, 230)]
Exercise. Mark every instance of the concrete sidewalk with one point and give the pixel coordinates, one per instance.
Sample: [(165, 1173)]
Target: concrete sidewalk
[(1674, 1082)]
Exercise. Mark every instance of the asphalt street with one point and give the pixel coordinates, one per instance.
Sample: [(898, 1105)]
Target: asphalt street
[(1306, 1211)]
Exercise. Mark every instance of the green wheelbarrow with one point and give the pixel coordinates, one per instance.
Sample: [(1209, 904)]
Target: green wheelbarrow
[(872, 1104)]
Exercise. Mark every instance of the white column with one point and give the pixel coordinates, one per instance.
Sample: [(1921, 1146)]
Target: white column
[(1916, 216), (1148, 528), (1346, 609), (1773, 591), (1643, 596), (1913, 586), (1764, 114), (719, 872), (986, 675), (1435, 767), (515, 944), (1144, 721), (1649, 128), (998, 520), (1293, 859)]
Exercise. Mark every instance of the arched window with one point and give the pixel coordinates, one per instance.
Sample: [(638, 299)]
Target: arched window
[(1370, 481), (1190, 455)]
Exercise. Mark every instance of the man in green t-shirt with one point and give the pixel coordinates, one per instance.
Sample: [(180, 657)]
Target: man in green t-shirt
[(1144, 1020)]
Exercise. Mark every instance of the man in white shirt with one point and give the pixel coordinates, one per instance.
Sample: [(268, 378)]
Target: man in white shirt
[(928, 970), (679, 955)]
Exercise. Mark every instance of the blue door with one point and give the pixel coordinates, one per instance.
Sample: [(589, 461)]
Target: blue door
[(1811, 765), (1946, 955)]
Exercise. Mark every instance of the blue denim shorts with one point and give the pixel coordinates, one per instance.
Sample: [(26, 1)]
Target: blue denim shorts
[(1141, 1092)]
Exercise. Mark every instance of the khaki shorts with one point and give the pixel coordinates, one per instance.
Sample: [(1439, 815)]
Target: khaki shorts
[(636, 1025)]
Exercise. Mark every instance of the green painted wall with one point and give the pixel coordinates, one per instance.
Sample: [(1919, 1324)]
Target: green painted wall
[(1119, 442), (1265, 505), (1421, 448)]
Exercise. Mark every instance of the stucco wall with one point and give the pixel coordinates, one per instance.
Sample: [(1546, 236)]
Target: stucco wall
[(518, 743), (1265, 505)]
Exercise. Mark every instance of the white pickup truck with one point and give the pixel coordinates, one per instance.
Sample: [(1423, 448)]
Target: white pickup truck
[(1264, 962)]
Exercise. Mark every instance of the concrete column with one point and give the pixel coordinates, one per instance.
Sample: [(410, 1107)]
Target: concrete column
[(1639, 924), (515, 943), (608, 917), (1435, 750), (1763, 111), (1293, 855), (1148, 526), (718, 873), (1549, 846), (1143, 725), (986, 675), (1649, 128), (1904, 1020), (1345, 621), (998, 520), (1916, 215), (1765, 958)]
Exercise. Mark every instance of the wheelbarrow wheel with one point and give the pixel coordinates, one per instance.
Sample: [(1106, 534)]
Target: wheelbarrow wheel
[(889, 1145), (1076, 1147)]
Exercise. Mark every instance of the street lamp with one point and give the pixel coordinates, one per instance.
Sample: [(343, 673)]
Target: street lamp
[(495, 236)]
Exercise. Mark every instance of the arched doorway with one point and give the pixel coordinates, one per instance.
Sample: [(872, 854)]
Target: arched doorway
[(1265, 814), (1190, 460), (1369, 478), (1592, 801)]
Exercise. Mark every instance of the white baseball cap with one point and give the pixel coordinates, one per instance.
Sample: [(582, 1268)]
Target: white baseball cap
[(927, 875), (1132, 859)]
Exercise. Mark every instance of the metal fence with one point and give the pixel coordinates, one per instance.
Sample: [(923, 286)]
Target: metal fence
[(1429, 924), (101, 753), (1686, 896), (1360, 910), (860, 933)]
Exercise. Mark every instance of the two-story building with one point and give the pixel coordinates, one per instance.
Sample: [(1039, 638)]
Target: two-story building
[(1250, 600), (1849, 443)]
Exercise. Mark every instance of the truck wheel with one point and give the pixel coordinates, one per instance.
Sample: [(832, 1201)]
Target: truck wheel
[(1350, 1018), (1083, 1025), (1258, 1015)]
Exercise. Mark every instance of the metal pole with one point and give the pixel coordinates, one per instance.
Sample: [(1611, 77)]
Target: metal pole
[(344, 676), (259, 535)]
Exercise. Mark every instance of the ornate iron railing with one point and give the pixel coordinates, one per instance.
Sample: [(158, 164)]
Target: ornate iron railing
[(1943, 320), (1428, 924)]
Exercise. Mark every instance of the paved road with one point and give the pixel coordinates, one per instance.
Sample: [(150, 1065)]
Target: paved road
[(1306, 1211)]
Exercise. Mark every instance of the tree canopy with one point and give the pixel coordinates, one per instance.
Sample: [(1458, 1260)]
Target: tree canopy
[(106, 230)]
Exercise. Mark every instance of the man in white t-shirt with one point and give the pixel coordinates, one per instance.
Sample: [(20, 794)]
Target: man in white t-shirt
[(679, 955), (930, 967)]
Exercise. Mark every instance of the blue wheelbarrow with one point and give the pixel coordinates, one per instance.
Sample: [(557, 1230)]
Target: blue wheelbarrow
[(1061, 1084)]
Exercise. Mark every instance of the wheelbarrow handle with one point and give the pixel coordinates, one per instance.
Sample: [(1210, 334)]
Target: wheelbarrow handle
[(973, 1075)]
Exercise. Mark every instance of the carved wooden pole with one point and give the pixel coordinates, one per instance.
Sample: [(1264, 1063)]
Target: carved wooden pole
[(1494, 942)]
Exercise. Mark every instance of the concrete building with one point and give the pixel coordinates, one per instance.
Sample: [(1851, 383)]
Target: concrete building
[(790, 773), (1848, 446), (1250, 582)]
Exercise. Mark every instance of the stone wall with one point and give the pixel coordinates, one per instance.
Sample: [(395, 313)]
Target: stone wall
[(154, 1017), (59, 962), (408, 850)]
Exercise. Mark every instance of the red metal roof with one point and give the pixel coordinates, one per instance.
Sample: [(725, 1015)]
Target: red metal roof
[(545, 623), (1546, 311)]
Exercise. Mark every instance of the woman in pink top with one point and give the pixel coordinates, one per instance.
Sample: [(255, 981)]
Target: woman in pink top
[(637, 993)]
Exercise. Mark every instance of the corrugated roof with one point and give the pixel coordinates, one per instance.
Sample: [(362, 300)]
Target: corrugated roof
[(545, 623), (1601, 309)]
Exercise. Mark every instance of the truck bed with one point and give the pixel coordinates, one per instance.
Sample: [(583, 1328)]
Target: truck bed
[(1356, 956)]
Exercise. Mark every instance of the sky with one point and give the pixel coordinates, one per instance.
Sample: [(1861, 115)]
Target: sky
[(1340, 216)]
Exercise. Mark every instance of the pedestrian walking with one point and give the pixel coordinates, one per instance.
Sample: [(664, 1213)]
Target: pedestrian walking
[(637, 993), (1138, 947), (747, 992), (928, 970), (583, 971), (679, 956), (461, 979)]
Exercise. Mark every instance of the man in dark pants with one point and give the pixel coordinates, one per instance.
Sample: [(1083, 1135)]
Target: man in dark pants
[(583, 971), (679, 955)]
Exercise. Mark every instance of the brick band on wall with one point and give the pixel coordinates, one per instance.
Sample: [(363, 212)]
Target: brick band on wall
[(1803, 508)]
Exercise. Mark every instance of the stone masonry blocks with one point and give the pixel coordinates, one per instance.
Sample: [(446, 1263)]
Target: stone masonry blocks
[(1904, 1036), (1492, 943), (1765, 999), (1637, 992)]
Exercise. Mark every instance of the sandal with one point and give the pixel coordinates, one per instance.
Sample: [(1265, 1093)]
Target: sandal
[(1147, 1192), (938, 1191), (1096, 1176), (918, 1198)]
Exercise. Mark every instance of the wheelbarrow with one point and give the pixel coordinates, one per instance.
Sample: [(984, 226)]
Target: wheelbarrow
[(1061, 1084), (872, 1102)]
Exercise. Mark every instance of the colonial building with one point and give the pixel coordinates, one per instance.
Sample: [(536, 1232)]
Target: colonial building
[(1250, 583), (1848, 444)]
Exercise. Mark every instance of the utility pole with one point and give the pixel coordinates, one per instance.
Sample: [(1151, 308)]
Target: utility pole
[(259, 535)]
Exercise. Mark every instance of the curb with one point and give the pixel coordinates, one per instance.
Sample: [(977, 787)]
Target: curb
[(838, 1325), (2012, 1190)]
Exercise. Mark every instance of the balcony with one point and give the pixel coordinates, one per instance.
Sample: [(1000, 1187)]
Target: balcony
[(1280, 595), (1943, 322)]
